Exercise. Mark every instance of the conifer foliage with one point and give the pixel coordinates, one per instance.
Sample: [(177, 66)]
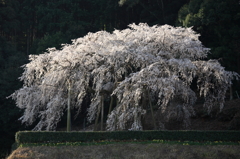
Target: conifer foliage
[(140, 66)]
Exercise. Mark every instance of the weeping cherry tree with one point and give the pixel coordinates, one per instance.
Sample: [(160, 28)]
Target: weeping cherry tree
[(141, 66)]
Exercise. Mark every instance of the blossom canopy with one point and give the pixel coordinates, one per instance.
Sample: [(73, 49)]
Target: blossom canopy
[(160, 62)]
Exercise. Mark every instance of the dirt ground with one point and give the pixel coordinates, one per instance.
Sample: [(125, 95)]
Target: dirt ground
[(129, 151), (228, 119)]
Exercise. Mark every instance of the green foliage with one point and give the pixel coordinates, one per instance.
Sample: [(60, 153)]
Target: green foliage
[(10, 60), (218, 22), (59, 137), (155, 11), (49, 41)]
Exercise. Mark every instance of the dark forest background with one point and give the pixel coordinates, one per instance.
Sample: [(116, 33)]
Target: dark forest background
[(32, 26)]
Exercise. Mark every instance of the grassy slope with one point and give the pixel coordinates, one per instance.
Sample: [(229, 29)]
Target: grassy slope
[(128, 151)]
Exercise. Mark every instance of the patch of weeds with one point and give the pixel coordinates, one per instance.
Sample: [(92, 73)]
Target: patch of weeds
[(105, 142), (208, 155)]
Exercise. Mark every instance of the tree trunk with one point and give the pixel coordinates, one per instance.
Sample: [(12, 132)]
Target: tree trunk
[(231, 94), (110, 107), (28, 41), (102, 111), (163, 11), (150, 104), (69, 108), (96, 120)]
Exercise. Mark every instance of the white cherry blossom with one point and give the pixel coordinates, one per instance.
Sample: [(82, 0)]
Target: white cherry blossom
[(160, 60)]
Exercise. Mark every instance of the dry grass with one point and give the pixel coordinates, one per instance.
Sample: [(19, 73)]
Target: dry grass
[(129, 151)]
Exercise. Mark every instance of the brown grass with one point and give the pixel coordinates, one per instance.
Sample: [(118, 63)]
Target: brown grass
[(129, 151)]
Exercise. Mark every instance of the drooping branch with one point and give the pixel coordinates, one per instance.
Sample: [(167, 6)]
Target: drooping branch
[(161, 59)]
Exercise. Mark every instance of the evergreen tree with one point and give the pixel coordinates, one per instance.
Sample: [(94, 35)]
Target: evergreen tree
[(10, 60), (218, 22), (155, 11)]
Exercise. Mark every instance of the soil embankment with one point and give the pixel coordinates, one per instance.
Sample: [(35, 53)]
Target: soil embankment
[(129, 151)]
